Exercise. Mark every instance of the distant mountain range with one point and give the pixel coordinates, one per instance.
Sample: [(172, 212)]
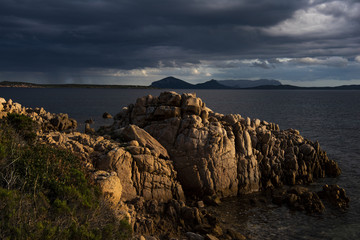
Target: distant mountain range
[(175, 83)]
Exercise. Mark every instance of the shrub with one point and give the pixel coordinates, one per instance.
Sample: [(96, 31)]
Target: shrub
[(45, 192), (24, 125)]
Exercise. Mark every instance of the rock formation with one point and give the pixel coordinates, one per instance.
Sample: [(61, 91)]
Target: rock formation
[(223, 155), (335, 195), (107, 115), (161, 145), (48, 121), (141, 171)]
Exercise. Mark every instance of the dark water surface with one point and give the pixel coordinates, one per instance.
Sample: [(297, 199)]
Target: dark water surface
[(330, 116)]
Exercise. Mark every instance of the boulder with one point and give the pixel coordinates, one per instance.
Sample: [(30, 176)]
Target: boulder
[(107, 115), (170, 99), (133, 132), (110, 186), (88, 129), (191, 104), (62, 122)]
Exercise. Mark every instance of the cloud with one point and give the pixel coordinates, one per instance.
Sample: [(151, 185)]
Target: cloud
[(127, 40), (129, 34), (262, 64), (325, 19), (330, 61)]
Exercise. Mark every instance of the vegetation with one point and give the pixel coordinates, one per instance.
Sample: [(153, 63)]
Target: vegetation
[(45, 193)]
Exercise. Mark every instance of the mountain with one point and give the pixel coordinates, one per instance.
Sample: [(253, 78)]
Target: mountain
[(212, 84), (172, 82), (249, 83)]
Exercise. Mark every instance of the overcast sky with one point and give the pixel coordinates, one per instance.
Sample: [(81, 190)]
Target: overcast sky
[(299, 42)]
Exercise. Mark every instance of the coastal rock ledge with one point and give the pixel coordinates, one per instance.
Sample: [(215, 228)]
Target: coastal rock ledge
[(164, 160), (221, 155)]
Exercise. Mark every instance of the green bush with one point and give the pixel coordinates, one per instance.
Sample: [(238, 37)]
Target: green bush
[(45, 193), (24, 125)]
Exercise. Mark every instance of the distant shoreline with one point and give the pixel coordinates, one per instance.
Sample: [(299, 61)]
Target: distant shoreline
[(36, 85), (7, 84)]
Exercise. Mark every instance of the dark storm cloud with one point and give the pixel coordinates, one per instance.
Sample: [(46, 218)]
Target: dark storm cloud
[(42, 35), (77, 36)]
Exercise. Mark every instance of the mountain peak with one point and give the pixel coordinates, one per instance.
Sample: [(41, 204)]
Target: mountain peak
[(172, 82)]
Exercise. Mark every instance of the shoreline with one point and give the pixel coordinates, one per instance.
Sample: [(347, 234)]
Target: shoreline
[(6, 84)]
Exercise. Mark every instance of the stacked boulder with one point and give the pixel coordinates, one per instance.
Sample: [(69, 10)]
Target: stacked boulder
[(223, 155)]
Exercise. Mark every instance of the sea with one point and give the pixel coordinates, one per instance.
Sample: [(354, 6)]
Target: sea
[(331, 117)]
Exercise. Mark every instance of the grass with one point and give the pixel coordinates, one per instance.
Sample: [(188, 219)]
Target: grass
[(45, 192)]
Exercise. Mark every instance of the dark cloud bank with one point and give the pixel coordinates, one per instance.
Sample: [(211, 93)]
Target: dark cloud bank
[(119, 41)]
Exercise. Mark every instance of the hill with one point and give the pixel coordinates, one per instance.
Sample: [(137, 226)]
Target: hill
[(172, 82), (212, 84)]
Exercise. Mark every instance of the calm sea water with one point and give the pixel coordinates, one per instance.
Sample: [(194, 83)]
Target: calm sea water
[(331, 117)]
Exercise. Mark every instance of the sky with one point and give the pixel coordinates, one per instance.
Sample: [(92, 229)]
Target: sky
[(299, 42)]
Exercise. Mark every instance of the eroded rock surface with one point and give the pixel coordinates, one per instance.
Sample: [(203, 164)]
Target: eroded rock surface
[(223, 155), (141, 172)]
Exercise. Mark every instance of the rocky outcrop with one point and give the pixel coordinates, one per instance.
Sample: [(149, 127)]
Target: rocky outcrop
[(175, 218), (140, 170), (161, 145), (48, 121), (299, 198), (335, 195), (223, 155), (107, 115)]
